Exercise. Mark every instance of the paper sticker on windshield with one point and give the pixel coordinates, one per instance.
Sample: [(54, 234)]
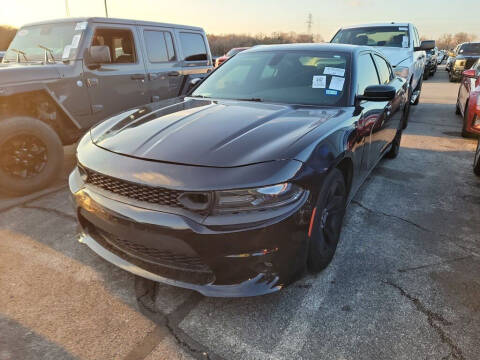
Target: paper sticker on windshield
[(22, 32), (336, 83), (319, 82), (334, 71), (403, 29), (81, 25), (66, 52), (75, 41), (405, 42)]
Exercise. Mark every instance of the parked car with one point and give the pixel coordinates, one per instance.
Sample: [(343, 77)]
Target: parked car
[(464, 57), (476, 160), (220, 60), (468, 100), (441, 57), (2, 54), (431, 63), (399, 42), (237, 188), (58, 78)]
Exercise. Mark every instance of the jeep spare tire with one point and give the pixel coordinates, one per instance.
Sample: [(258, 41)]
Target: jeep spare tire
[(31, 155)]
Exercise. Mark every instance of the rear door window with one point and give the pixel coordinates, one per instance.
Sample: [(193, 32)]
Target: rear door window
[(368, 74), (193, 47), (159, 46)]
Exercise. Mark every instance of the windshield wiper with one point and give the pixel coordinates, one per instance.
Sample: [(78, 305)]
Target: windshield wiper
[(47, 52), (250, 99), (19, 52), (200, 96)]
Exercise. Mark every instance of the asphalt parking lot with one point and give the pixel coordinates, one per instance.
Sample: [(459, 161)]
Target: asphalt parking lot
[(404, 283)]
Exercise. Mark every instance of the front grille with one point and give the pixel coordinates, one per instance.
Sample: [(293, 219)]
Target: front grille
[(163, 257), (138, 192)]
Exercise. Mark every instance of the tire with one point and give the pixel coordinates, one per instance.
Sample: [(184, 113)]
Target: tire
[(395, 149), (476, 160), (426, 74), (450, 77), (419, 87), (465, 133), (457, 109), (327, 221), (31, 155), (406, 111)]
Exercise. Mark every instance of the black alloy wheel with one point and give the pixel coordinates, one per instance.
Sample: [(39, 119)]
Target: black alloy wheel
[(476, 160), (406, 110), (23, 156), (465, 133), (326, 222)]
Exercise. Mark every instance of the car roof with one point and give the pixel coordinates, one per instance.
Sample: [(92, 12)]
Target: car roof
[(115, 21), (312, 47), (393, 23)]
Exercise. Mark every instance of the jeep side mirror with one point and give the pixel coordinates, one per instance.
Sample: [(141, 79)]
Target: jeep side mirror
[(97, 55), (378, 93), (426, 45)]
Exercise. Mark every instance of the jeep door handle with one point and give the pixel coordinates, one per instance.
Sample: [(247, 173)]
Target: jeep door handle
[(138, 77), (173, 73)]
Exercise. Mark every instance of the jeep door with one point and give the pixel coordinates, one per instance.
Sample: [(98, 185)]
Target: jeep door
[(119, 84), (164, 69), (195, 54)]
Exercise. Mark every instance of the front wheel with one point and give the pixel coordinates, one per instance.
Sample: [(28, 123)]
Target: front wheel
[(31, 155), (476, 160), (425, 75), (418, 90), (326, 221), (465, 133), (395, 149)]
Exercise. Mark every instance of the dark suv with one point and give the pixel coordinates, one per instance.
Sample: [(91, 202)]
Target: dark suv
[(58, 78), (465, 56)]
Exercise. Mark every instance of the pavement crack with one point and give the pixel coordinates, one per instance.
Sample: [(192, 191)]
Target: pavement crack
[(146, 292), (434, 264), (454, 240), (52, 211), (392, 216), (433, 319)]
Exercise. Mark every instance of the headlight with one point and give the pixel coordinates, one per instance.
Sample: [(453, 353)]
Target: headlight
[(460, 63), (401, 71), (256, 199)]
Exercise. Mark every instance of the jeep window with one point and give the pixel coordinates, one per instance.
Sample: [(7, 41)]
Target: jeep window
[(193, 46), (120, 42), (159, 46), (391, 36), (52, 36), (470, 49)]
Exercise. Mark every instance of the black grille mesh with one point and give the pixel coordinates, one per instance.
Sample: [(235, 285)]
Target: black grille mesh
[(145, 193)]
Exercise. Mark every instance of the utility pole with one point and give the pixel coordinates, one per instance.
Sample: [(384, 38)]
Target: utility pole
[(309, 23), (106, 10), (67, 10)]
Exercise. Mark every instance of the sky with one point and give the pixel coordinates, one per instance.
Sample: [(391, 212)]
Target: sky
[(433, 18)]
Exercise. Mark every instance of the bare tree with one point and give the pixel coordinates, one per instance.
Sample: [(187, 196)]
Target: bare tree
[(6, 35), (449, 41)]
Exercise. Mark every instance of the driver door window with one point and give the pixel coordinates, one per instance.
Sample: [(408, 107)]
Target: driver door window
[(368, 74), (120, 43)]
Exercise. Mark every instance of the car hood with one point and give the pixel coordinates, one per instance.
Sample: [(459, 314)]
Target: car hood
[(27, 72), (395, 55), (213, 133)]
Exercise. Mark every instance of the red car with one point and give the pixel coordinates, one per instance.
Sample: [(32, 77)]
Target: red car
[(468, 100), (228, 55)]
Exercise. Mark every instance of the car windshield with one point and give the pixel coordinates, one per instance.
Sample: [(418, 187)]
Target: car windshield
[(391, 36), (470, 49), (290, 77), (55, 37)]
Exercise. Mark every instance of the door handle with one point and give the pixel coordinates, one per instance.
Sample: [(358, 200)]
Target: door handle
[(138, 77), (173, 73)]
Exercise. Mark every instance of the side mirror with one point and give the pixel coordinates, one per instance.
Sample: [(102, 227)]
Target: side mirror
[(471, 73), (194, 82), (426, 45), (97, 55), (378, 93)]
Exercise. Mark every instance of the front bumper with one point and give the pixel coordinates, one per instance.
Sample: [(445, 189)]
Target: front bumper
[(229, 261)]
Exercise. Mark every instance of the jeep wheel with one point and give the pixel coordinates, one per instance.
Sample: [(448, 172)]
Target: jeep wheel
[(419, 89), (31, 155)]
